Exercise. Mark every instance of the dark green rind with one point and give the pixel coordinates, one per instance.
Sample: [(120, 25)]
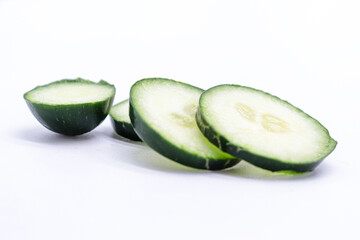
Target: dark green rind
[(154, 140), (124, 129), (71, 119), (261, 161)]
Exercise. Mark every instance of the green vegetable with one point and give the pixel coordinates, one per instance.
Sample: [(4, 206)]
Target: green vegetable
[(120, 121), (162, 112), (262, 129), (71, 107)]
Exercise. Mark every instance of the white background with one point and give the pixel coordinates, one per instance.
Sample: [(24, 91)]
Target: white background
[(100, 186)]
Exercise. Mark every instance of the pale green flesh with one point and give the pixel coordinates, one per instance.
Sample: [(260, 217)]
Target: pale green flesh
[(265, 125), (170, 109), (70, 93), (120, 112)]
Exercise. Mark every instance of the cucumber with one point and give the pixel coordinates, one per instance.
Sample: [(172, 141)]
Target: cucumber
[(120, 121), (71, 106), (262, 129), (162, 112)]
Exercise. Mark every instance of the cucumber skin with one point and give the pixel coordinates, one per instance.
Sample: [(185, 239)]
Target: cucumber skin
[(154, 140), (263, 162), (72, 119), (124, 129)]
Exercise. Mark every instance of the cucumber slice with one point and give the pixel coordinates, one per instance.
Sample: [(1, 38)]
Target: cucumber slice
[(262, 129), (120, 121), (71, 107), (162, 112)]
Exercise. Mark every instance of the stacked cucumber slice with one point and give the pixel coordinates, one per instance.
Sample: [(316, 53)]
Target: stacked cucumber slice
[(120, 121), (162, 112), (212, 129), (262, 129)]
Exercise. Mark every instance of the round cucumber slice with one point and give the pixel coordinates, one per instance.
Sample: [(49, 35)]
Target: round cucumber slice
[(71, 107), (162, 112), (262, 129), (120, 121)]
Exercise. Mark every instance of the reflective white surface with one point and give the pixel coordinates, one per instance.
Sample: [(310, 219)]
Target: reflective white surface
[(100, 186)]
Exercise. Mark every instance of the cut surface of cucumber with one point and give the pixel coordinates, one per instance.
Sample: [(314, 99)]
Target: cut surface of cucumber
[(162, 112), (262, 129), (71, 107), (120, 121)]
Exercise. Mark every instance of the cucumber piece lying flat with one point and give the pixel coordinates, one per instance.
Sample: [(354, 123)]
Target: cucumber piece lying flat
[(120, 121), (71, 107), (162, 112), (262, 129)]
